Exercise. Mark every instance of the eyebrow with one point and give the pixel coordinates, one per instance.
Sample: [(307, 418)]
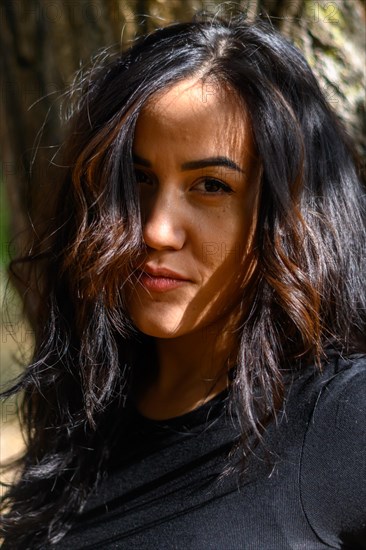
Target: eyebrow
[(196, 164)]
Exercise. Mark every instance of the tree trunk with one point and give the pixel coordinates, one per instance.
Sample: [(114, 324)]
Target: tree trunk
[(332, 35), (43, 43)]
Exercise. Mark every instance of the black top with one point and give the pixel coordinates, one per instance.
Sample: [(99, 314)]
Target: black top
[(304, 489)]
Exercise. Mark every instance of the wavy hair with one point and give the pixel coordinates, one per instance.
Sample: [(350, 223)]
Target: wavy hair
[(306, 294)]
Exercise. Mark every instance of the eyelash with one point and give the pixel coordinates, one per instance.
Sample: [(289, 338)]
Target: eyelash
[(142, 177), (221, 187)]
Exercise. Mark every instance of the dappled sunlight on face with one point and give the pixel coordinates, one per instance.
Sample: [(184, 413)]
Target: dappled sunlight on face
[(198, 176)]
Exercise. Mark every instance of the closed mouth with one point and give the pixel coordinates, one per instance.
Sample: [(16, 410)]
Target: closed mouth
[(161, 280)]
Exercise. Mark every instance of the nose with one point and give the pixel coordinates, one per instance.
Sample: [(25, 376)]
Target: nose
[(162, 222)]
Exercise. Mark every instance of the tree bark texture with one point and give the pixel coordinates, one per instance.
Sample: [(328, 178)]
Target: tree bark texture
[(44, 42)]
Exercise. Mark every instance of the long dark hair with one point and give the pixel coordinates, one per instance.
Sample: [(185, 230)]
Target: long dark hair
[(307, 292)]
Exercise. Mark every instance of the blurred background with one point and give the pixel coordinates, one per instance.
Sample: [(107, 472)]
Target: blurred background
[(44, 42)]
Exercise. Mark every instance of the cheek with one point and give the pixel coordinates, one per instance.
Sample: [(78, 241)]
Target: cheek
[(221, 254), (224, 242)]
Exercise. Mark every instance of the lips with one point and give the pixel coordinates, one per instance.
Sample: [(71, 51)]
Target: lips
[(160, 279), (156, 271)]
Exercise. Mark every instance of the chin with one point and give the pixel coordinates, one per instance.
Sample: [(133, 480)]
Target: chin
[(160, 327), (159, 332)]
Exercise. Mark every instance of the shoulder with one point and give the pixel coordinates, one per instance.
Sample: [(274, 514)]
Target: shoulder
[(333, 462), (340, 391)]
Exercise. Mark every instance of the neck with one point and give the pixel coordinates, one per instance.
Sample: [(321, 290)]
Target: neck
[(191, 370)]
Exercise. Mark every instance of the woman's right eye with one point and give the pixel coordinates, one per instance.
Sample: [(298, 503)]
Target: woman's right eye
[(143, 177)]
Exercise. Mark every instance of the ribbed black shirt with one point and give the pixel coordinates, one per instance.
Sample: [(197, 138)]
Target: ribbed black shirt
[(303, 489)]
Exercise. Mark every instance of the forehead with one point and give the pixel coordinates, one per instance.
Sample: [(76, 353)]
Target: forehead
[(203, 113)]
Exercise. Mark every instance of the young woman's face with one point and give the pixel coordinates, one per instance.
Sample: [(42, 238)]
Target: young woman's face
[(198, 178)]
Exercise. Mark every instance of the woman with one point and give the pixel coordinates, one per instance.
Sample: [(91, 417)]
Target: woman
[(199, 373)]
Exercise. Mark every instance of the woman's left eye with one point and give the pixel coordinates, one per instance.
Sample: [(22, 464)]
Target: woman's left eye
[(212, 185)]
